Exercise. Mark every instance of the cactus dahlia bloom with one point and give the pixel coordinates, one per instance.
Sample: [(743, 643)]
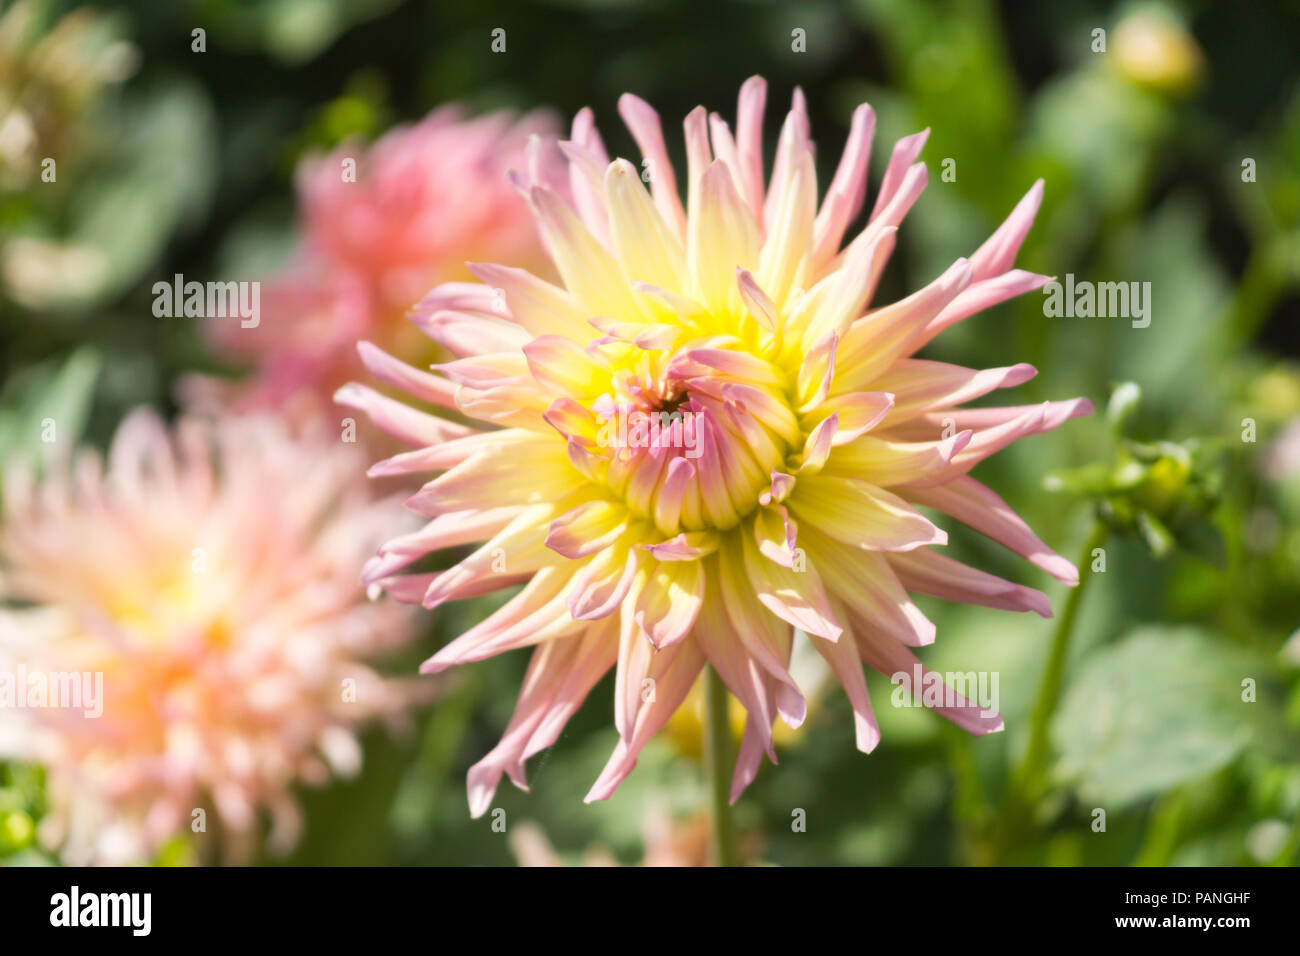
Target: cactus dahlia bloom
[(707, 438), (221, 619)]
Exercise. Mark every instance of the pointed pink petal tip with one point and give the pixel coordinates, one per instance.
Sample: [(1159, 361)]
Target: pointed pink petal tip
[(1037, 602), (481, 789), (434, 665)]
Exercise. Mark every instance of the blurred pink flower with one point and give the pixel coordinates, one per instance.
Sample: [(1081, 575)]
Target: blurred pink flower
[(209, 576), (380, 225), (1282, 457), (706, 439), (667, 842)]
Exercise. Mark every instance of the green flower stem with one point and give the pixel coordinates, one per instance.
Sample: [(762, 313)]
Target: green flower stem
[(1028, 781), (1261, 286), (1163, 828), (1049, 692), (720, 758)]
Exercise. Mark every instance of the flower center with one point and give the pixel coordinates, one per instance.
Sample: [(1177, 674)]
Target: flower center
[(692, 437)]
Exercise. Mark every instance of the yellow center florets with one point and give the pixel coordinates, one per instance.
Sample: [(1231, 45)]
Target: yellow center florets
[(676, 436)]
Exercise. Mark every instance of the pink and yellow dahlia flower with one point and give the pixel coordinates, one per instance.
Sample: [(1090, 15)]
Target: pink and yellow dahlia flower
[(380, 225), (211, 623), (707, 439)]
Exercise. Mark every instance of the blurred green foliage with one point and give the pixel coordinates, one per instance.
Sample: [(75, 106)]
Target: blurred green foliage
[(182, 162)]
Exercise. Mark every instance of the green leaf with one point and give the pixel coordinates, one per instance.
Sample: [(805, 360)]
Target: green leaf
[(157, 181), (59, 398), (1161, 708)]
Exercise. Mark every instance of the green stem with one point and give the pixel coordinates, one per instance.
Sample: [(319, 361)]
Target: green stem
[(1027, 782), (1260, 287), (1162, 830), (720, 759), (1049, 692)]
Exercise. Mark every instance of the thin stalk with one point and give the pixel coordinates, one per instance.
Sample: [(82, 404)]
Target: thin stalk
[(719, 758), (1049, 692), (1027, 782)]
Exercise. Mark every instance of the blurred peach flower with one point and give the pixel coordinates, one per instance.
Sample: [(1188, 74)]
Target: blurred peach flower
[(204, 581)]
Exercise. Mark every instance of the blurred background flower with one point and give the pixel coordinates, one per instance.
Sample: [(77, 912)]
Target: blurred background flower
[(668, 841), (221, 631), (380, 226), (51, 77)]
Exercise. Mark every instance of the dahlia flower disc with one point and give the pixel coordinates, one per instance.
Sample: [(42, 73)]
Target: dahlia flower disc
[(210, 580), (707, 439)]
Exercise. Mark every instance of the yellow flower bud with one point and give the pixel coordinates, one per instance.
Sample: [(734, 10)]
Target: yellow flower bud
[(1154, 50)]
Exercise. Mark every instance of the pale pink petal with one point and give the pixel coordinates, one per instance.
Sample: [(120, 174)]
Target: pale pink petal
[(842, 656), (643, 122), (998, 252), (900, 164), (848, 189), (400, 421), (673, 671), (981, 295), (797, 597), (559, 677), (891, 658), (936, 574), (981, 508), (749, 141), (920, 385)]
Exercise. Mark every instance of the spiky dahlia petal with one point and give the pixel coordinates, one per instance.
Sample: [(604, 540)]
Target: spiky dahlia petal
[(707, 441)]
